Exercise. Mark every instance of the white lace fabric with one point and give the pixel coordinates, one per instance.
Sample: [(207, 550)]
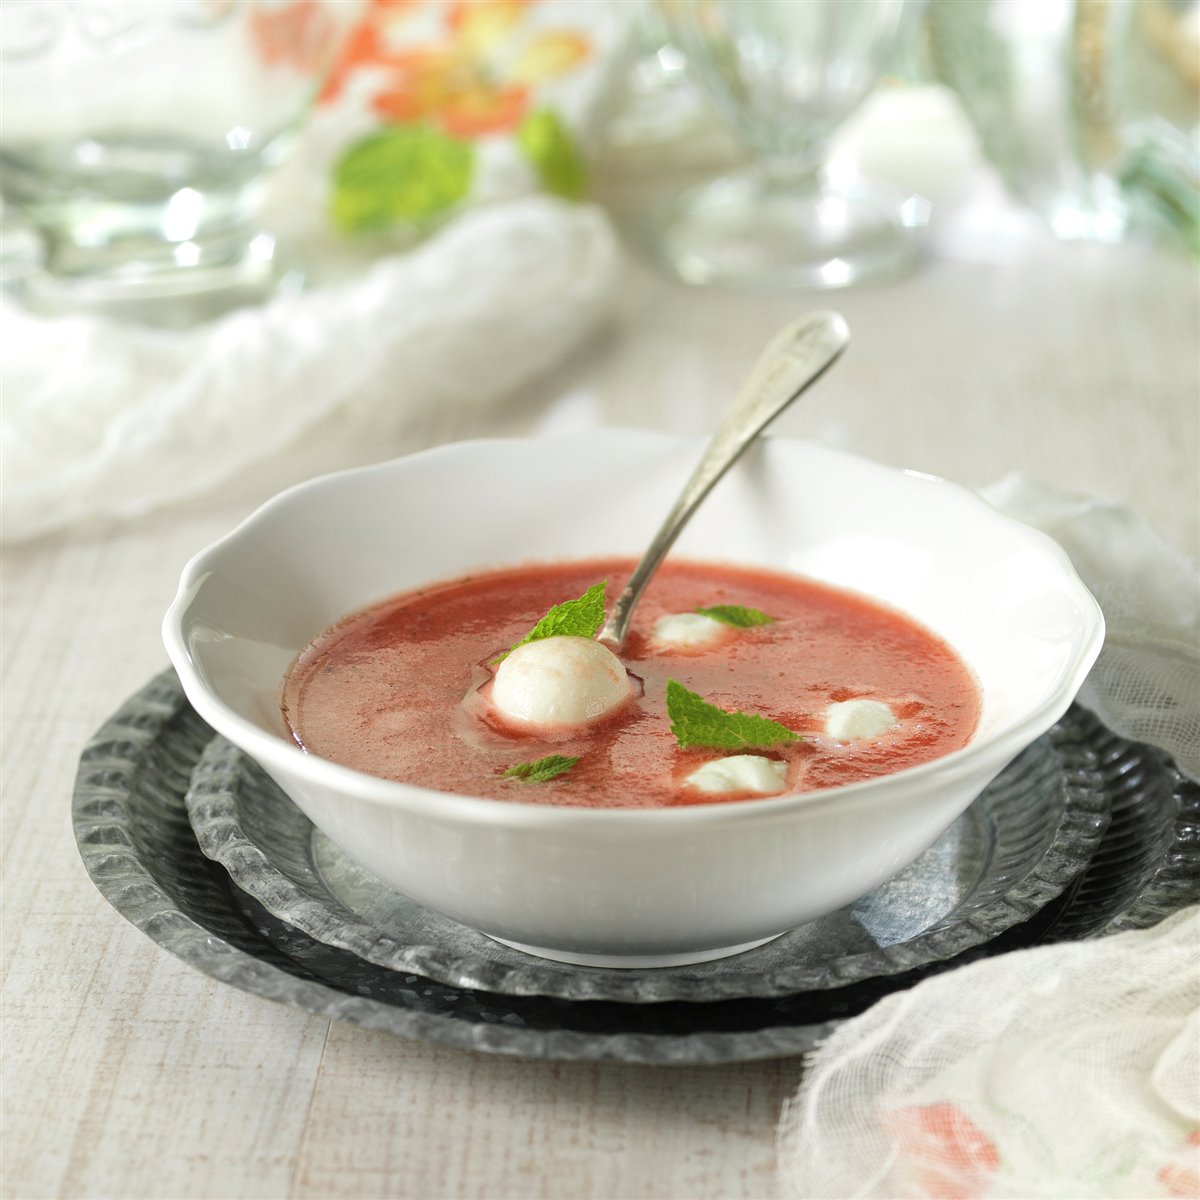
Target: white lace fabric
[(1146, 684), (104, 419)]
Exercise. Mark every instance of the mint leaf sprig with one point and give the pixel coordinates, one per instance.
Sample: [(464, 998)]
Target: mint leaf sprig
[(581, 617), (737, 615), (695, 722), (540, 770)]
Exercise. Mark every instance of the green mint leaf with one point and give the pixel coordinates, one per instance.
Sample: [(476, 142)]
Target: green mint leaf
[(573, 618), (736, 615), (695, 722), (403, 175), (541, 769)]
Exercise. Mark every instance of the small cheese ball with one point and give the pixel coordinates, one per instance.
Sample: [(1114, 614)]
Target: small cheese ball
[(688, 631), (740, 773), (856, 720), (559, 681)]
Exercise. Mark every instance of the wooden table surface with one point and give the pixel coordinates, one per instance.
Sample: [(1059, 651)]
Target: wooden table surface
[(128, 1074)]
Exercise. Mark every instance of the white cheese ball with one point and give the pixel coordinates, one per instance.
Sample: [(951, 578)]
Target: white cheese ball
[(687, 631), (740, 773), (559, 681), (854, 720)]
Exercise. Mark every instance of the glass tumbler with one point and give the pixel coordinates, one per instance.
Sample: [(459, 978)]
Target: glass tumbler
[(786, 74), (138, 136)]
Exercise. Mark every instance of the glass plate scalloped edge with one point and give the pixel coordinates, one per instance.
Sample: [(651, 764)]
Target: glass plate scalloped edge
[(115, 767), (1064, 809)]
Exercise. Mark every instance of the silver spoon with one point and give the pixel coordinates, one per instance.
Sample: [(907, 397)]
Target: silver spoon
[(797, 356)]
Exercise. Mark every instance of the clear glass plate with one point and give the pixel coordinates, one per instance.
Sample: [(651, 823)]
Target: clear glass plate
[(1011, 853)]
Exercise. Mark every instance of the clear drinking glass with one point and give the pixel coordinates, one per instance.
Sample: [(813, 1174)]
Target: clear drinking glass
[(138, 135), (1089, 111), (786, 74)]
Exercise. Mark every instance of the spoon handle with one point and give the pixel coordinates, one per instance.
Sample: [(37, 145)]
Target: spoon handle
[(797, 356)]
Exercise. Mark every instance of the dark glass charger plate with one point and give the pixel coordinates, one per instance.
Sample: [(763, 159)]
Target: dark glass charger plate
[(1016, 848), (133, 834)]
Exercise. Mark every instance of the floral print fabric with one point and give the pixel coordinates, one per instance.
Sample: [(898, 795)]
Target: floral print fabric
[(453, 101), (1062, 1071)]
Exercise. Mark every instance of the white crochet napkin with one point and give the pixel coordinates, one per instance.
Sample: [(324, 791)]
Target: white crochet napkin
[(1064, 1071)]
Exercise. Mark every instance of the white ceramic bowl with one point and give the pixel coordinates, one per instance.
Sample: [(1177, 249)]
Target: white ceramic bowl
[(632, 887)]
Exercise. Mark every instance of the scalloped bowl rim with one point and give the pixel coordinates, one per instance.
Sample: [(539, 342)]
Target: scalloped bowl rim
[(269, 749)]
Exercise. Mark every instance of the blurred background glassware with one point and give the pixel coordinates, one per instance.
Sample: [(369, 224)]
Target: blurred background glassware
[(138, 136), (786, 75), (660, 103), (1089, 109)]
